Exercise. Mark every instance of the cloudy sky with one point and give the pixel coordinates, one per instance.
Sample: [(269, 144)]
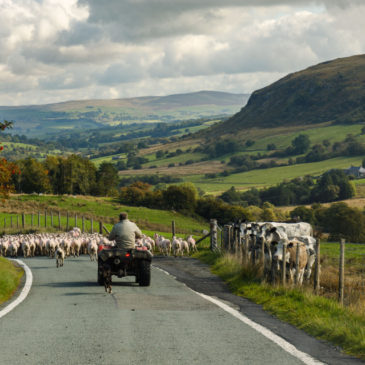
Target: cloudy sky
[(58, 50)]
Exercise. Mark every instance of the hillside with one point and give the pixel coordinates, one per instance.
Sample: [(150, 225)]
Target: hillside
[(43, 120), (332, 91)]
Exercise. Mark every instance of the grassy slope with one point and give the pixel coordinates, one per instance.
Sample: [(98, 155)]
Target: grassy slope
[(321, 93), (147, 219), (318, 316), (10, 276)]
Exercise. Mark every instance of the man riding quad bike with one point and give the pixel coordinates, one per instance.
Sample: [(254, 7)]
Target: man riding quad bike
[(124, 259)]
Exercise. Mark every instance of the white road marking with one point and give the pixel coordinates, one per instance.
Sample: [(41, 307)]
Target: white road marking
[(24, 292), (285, 345)]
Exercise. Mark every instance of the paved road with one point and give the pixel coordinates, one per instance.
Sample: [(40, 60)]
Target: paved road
[(68, 319)]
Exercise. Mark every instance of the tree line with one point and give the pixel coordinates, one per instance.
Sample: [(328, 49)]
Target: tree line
[(65, 175)]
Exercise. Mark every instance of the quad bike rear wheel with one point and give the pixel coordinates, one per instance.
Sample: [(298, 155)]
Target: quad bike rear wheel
[(144, 273)]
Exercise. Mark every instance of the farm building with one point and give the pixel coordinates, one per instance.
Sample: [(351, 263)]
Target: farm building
[(355, 171)]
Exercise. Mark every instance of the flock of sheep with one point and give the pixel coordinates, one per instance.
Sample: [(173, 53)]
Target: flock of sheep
[(177, 246), (74, 243)]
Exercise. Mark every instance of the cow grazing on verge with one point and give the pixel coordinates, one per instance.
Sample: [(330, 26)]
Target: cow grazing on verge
[(291, 258)]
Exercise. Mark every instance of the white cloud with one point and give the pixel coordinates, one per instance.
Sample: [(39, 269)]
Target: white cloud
[(53, 50)]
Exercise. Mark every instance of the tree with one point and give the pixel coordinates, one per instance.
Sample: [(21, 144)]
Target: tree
[(300, 144), (77, 175), (134, 194), (34, 177), (107, 179), (333, 185), (230, 196), (342, 221), (52, 165), (305, 214), (180, 197), (8, 170)]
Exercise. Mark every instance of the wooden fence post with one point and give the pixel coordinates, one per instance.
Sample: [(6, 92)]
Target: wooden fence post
[(92, 225), (229, 248), (59, 220), (4, 223), (317, 267), (253, 250), (173, 228), (239, 243), (67, 222), (235, 236), (75, 220), (31, 220), (225, 237), (283, 268), (262, 258), (83, 224), (23, 220), (11, 222), (341, 282), (296, 265), (213, 235), (17, 221), (246, 249), (101, 227), (45, 218)]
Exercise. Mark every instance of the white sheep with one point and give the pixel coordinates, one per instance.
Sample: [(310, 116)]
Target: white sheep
[(92, 249), (184, 246), (176, 246), (192, 244)]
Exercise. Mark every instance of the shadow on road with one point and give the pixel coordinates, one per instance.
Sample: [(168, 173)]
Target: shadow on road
[(72, 284), (124, 283)]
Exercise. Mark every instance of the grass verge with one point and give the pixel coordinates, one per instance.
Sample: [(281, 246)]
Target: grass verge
[(321, 317), (10, 276)]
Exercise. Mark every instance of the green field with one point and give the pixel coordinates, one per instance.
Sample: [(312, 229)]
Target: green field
[(317, 135), (99, 160), (176, 159), (272, 176), (354, 254), (100, 209)]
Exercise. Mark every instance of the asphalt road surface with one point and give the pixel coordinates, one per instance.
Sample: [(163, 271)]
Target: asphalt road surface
[(68, 319)]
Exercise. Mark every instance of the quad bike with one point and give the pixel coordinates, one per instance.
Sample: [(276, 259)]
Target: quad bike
[(135, 262)]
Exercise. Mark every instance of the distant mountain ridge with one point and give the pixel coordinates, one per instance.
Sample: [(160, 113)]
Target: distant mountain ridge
[(332, 91), (40, 120), (203, 97)]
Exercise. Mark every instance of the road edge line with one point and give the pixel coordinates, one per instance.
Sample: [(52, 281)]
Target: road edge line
[(285, 345), (24, 292)]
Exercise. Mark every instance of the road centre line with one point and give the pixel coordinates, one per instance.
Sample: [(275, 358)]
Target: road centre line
[(25, 290), (285, 345)]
